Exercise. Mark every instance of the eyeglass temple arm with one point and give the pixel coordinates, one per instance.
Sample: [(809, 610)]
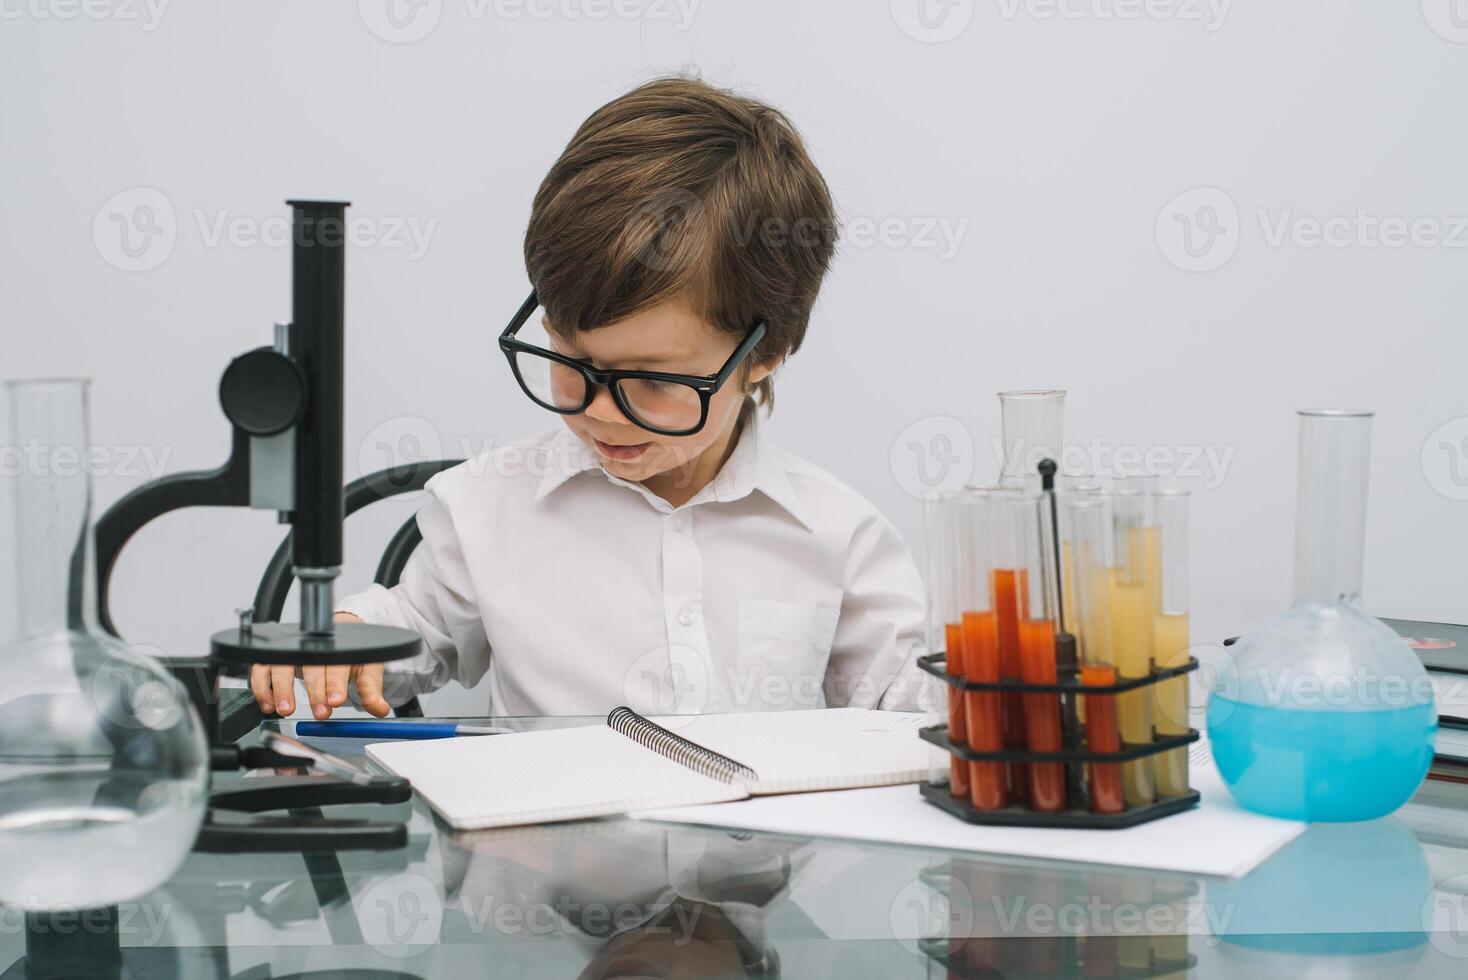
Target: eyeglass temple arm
[(742, 351), (522, 315)]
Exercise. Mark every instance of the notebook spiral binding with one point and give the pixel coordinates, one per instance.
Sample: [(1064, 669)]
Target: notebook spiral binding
[(704, 761)]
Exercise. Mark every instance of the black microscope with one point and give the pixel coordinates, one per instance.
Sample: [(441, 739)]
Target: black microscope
[(285, 403)]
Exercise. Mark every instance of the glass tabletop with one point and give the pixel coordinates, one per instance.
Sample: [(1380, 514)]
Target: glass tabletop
[(621, 897)]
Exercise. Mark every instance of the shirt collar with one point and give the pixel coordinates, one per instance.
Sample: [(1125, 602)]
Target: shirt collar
[(565, 457), (753, 465)]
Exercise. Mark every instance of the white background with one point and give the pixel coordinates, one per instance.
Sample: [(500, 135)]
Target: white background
[(1050, 139)]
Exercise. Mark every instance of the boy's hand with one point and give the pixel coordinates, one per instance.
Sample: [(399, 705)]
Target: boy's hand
[(326, 687)]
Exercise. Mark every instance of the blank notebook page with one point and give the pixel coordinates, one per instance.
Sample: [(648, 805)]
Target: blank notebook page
[(819, 749), (485, 781)]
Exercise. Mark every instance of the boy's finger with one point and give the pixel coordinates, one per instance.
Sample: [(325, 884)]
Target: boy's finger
[(283, 683), (260, 685), (315, 678), (369, 690), (337, 679)]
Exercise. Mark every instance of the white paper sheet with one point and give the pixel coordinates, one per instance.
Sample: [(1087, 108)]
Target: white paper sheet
[(1217, 838)]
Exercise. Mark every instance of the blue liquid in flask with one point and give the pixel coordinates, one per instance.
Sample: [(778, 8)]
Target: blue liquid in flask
[(1319, 764)]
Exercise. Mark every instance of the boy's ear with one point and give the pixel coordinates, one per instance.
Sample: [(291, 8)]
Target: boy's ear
[(760, 370)]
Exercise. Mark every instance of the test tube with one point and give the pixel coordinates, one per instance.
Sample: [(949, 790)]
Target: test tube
[(943, 539), (1170, 948), (1071, 486), (1037, 612), (1009, 587), (1067, 661), (1031, 425), (983, 713), (1131, 636), (977, 954), (1100, 956), (1170, 637), (1134, 947), (1147, 485), (1088, 525)]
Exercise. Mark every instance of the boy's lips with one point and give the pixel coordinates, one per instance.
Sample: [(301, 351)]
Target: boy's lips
[(622, 453)]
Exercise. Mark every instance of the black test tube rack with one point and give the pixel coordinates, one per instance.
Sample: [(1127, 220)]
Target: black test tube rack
[(1073, 753)]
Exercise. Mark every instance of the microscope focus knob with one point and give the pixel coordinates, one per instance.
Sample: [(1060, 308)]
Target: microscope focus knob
[(263, 392)]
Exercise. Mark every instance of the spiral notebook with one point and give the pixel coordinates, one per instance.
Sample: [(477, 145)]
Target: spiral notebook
[(636, 763)]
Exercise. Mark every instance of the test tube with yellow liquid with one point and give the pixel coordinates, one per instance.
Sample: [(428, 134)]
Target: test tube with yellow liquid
[(1149, 532), (1131, 636), (1170, 636)]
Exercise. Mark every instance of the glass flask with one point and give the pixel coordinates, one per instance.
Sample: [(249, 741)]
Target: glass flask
[(1031, 424), (103, 761), (1324, 713)]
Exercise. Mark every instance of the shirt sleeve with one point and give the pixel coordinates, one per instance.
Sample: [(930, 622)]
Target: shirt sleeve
[(434, 598), (882, 627)]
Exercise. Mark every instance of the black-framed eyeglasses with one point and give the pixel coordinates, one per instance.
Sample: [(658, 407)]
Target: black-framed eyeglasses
[(668, 404)]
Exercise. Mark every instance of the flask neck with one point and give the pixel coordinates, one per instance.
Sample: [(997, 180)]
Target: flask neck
[(1330, 508), (54, 576)]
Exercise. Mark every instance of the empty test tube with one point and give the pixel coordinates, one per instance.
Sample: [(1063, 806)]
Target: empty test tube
[(942, 537)]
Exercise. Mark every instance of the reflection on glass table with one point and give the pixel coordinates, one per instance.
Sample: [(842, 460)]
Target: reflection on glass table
[(625, 898)]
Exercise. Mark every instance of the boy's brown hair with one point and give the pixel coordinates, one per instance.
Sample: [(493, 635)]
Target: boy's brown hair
[(679, 188)]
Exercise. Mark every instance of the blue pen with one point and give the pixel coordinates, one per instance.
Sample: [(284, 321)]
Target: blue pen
[(391, 729)]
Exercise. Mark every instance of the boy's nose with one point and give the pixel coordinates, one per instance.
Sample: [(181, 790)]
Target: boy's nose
[(604, 408)]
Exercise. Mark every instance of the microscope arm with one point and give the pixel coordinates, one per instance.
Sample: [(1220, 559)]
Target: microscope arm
[(227, 486)]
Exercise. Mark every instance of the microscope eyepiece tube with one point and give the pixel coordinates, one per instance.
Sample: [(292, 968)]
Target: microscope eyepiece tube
[(318, 301)]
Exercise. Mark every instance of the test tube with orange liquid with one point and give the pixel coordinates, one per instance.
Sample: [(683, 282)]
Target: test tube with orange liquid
[(1027, 519), (1089, 599), (1088, 527), (1010, 590), (1073, 485)]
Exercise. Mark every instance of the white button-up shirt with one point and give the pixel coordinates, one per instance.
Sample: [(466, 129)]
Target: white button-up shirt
[(776, 587)]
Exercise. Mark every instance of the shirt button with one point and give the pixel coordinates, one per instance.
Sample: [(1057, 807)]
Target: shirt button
[(685, 616), (680, 523)]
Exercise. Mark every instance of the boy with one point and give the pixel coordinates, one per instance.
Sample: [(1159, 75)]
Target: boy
[(655, 551)]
